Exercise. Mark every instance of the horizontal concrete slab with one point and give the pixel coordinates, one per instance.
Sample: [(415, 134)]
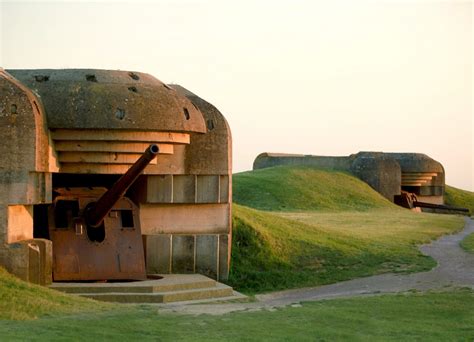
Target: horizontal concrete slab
[(119, 135), (170, 288), (174, 218), (108, 146), (168, 282)]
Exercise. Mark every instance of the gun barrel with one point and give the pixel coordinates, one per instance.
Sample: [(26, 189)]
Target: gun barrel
[(440, 207), (96, 212)]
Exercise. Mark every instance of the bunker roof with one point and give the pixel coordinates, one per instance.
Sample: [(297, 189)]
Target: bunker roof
[(110, 99)]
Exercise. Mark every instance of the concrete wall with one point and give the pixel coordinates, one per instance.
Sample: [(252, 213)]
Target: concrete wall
[(25, 179), (264, 160), (382, 173), (186, 217)]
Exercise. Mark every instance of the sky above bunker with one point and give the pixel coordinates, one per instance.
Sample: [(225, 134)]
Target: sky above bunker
[(311, 77)]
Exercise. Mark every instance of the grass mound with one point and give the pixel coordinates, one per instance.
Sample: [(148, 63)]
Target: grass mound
[(274, 251), (20, 300), (468, 243), (289, 188), (459, 198), (302, 226)]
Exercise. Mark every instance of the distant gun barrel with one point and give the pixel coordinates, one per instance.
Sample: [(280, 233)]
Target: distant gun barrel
[(95, 212), (410, 201), (442, 207)]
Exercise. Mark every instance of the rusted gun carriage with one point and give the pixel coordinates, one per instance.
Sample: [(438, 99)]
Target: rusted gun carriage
[(96, 232), (66, 213)]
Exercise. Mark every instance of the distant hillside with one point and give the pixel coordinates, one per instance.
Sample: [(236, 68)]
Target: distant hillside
[(290, 188), (459, 198)]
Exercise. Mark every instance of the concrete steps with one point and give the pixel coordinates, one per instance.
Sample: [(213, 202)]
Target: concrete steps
[(171, 288)]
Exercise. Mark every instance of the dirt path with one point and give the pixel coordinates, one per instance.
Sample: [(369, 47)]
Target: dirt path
[(455, 269)]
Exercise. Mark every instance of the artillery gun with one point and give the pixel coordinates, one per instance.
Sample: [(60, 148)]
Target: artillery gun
[(96, 232), (409, 200)]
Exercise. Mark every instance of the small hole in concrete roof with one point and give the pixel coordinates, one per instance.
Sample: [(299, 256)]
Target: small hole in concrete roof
[(210, 124), (13, 109), (41, 78), (91, 78), (133, 89), (134, 76), (120, 114), (186, 113)]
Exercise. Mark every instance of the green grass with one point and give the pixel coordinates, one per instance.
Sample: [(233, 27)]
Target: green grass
[(286, 188), (274, 251), (302, 242), (311, 227), (446, 316), (459, 198), (468, 243), (20, 300), (297, 241)]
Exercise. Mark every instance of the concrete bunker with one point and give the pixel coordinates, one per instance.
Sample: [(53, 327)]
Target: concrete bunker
[(408, 179), (72, 135)]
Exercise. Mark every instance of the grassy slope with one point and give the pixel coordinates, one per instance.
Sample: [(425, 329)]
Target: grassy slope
[(287, 188), (459, 198), (355, 233), (20, 300), (429, 317), (277, 251), (468, 243)]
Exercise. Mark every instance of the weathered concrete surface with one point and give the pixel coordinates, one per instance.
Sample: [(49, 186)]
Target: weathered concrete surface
[(207, 260), (166, 283), (20, 223), (455, 269), (208, 189), (216, 143), (380, 171), (225, 242), (110, 99), (170, 288), (204, 253), (25, 179), (158, 253), (265, 159), (184, 219), (183, 250)]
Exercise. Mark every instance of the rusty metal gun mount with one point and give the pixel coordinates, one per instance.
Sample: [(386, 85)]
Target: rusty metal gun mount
[(410, 201), (96, 232)]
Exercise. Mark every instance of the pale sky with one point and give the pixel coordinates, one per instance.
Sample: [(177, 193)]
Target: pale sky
[(311, 77)]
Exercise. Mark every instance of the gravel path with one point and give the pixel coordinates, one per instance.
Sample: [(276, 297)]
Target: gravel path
[(455, 269)]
